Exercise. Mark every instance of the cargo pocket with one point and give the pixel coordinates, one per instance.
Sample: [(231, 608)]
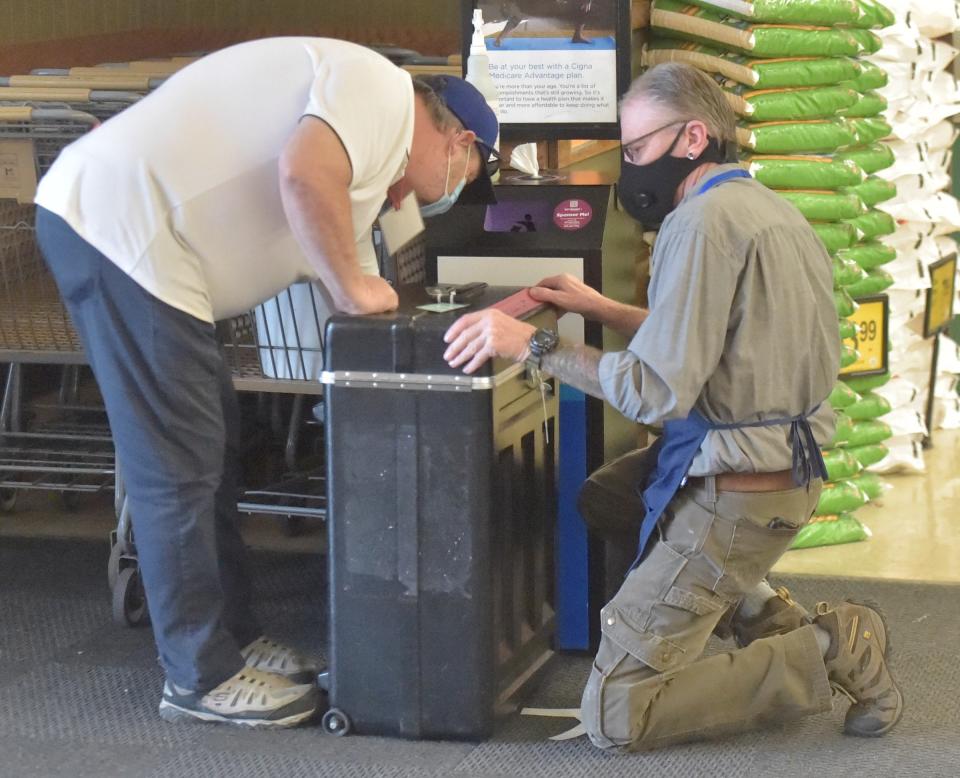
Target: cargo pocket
[(628, 618)]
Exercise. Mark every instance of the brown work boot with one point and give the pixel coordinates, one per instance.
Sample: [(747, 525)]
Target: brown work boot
[(780, 615), (857, 667)]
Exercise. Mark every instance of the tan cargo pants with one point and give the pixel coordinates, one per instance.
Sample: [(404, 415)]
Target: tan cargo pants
[(649, 686)]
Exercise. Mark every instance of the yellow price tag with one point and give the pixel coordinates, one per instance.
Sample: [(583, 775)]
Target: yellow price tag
[(940, 295), (870, 340)]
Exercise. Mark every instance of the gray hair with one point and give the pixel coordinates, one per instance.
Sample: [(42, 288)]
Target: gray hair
[(443, 118), (687, 93)]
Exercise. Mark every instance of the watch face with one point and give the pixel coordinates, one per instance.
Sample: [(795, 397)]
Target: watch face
[(544, 341)]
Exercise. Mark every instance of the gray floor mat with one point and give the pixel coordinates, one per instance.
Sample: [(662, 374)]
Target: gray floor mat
[(79, 694)]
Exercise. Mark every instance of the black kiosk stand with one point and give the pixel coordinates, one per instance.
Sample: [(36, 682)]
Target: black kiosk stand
[(571, 223)]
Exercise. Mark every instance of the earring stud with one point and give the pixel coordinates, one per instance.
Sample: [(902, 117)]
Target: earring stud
[(689, 155)]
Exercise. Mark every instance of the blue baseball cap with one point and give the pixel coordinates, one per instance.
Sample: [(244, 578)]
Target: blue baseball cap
[(469, 106)]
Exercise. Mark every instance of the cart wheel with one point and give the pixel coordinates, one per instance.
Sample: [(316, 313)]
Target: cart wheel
[(129, 599), (113, 565), (70, 500), (335, 722), (8, 500)]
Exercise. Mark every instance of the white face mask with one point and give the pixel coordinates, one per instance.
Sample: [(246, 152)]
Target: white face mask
[(447, 201)]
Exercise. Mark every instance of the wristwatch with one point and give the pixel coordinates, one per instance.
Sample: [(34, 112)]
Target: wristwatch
[(542, 342)]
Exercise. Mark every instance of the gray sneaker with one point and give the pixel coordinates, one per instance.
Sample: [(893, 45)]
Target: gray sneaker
[(251, 698), (272, 657)]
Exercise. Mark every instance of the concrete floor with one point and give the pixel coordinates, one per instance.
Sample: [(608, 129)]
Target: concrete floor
[(915, 527)]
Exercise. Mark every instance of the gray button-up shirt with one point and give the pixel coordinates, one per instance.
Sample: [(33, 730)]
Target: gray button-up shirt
[(742, 327)]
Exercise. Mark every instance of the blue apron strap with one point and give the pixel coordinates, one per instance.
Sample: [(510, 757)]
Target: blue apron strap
[(719, 179), (807, 459)]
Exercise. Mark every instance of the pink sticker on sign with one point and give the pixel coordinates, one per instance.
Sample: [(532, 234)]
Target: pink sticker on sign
[(572, 215)]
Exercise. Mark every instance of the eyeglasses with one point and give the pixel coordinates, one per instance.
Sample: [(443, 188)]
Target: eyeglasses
[(493, 158), (630, 153)]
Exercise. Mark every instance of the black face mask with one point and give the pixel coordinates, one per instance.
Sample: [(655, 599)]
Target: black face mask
[(647, 191)]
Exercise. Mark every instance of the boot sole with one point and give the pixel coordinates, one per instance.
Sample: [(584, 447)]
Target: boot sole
[(887, 653), (174, 713)]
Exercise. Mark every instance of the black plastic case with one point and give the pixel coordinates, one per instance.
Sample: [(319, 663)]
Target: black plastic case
[(441, 517)]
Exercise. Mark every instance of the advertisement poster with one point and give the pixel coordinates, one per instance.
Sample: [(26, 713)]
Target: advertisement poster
[(553, 61)]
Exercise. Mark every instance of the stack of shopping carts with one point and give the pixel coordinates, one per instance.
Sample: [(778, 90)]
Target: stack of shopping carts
[(62, 444)]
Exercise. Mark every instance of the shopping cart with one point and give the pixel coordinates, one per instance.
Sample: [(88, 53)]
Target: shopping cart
[(277, 348), (101, 103), (65, 445), (110, 79)]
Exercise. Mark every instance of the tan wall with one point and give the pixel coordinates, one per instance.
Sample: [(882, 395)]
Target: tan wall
[(63, 33)]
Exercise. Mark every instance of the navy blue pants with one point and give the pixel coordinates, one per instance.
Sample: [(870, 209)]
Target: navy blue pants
[(175, 422)]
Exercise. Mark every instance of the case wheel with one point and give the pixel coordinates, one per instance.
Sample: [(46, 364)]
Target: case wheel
[(129, 599), (335, 722), (8, 500)]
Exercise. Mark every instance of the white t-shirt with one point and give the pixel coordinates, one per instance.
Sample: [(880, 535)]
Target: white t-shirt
[(181, 190)]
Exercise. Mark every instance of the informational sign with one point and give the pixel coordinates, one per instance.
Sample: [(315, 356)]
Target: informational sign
[(18, 171), (939, 311), (553, 61), (871, 319)]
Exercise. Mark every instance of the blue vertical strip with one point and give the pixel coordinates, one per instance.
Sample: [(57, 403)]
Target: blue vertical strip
[(573, 627)]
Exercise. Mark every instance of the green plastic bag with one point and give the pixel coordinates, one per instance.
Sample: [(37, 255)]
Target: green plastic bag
[(809, 136), (873, 15), (840, 464), (841, 396), (804, 172), (843, 431), (867, 432), (870, 454), (835, 236), (830, 531), (845, 273), (818, 12), (844, 303), (869, 130), (771, 105), (847, 330), (869, 406), (824, 205), (848, 355), (870, 159), (869, 104), (688, 22), (839, 497), (870, 484), (876, 281), (871, 77), (873, 224), (873, 191), (869, 254), (867, 383), (751, 72), (869, 42)]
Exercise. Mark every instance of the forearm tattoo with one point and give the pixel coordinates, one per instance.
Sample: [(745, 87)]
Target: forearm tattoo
[(577, 366)]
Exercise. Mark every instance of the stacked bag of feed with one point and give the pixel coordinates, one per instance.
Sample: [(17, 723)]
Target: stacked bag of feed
[(922, 95), (812, 129)]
